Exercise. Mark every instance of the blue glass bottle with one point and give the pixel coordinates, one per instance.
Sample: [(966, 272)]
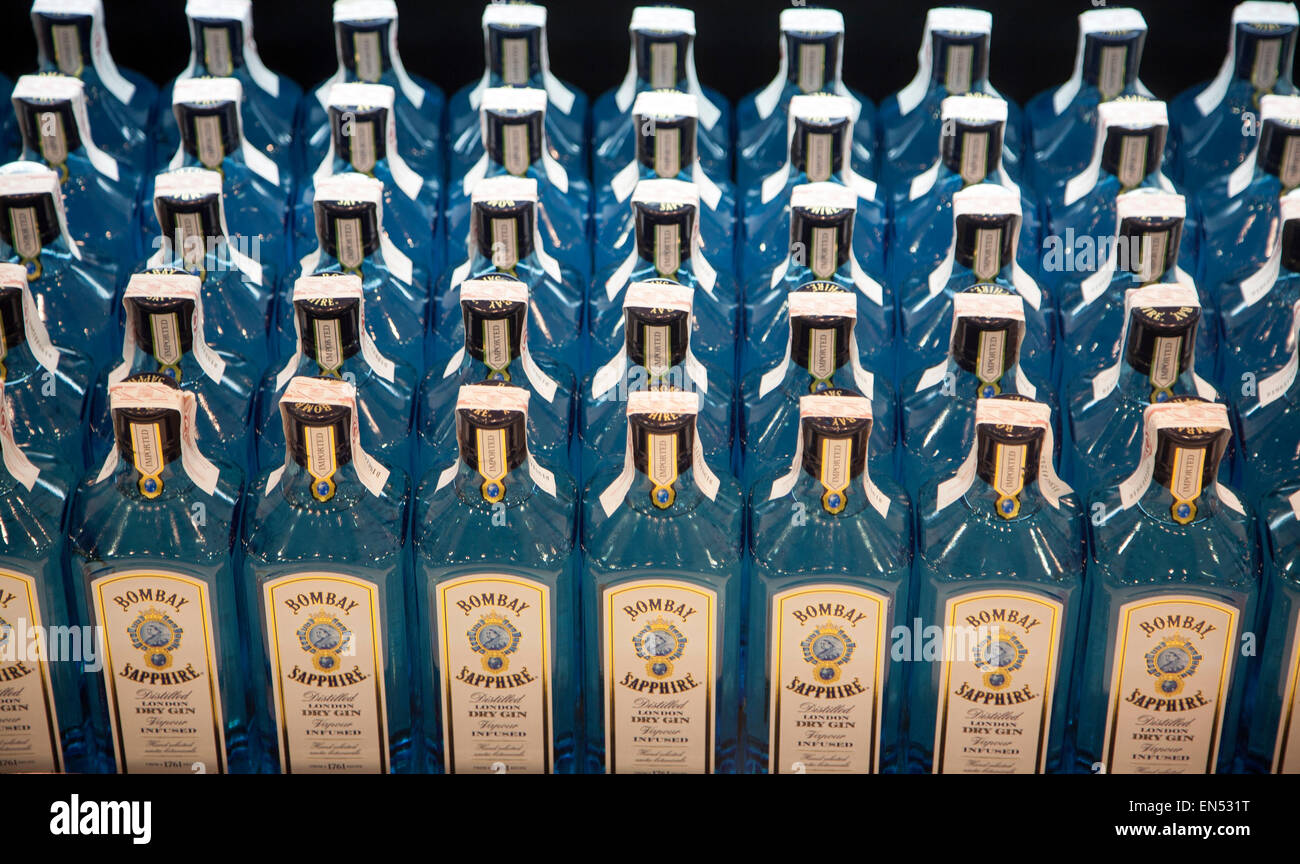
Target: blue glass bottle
[(953, 60), (1172, 585), (811, 46), (514, 127), (661, 57), (1240, 214), (1257, 299), (192, 237), (831, 549), (1127, 154), (47, 387), (667, 147), (71, 39), (166, 334), (664, 244), (75, 296), (1267, 405), (152, 542), (661, 599), (821, 133), (352, 238), (256, 192), (999, 574), (1210, 121), (515, 54), (10, 140), (504, 238), (1090, 287), (44, 729), (100, 194), (938, 404), (1154, 361), (822, 353), (363, 141), (974, 152), (327, 584), (494, 333), (985, 249), (497, 598), (365, 41), (1062, 121), (1272, 743), (222, 46), (822, 250), (334, 340), (656, 355)]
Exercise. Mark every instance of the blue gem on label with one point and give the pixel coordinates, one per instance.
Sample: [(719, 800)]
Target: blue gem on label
[(322, 488), (661, 495), (1007, 506), (494, 662), (820, 386), (493, 490), (660, 668), (1161, 397), (1184, 511), (833, 501), (497, 376), (996, 679), (150, 485), (988, 392)]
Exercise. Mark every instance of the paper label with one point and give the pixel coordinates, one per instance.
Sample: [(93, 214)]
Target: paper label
[(988, 253), (1132, 160), (514, 148), (1110, 74), (1264, 71), (974, 156), (828, 653), (663, 65), (812, 67), (362, 152), (1289, 171), (997, 681), (207, 140), (668, 152), (54, 140), (368, 55), (659, 658), (668, 248), (1170, 676), (26, 231), (495, 674), (957, 76), (514, 62), (1286, 756), (160, 672), (824, 258), (819, 162), (67, 49), (217, 57), (29, 726), (325, 642), (347, 238)]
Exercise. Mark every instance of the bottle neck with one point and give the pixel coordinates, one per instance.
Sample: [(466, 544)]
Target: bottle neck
[(17, 363), (988, 504), (686, 495), (1159, 503), (301, 489), (516, 487), (170, 483)]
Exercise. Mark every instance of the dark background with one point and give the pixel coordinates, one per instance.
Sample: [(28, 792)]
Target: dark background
[(736, 46)]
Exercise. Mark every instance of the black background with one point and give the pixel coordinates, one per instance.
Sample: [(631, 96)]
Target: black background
[(736, 49)]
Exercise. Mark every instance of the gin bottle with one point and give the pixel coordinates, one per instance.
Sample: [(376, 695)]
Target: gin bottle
[(999, 573), (1267, 404), (497, 598), (656, 355), (365, 41), (222, 46), (1172, 585), (820, 138), (71, 39), (821, 354), (166, 335), (515, 54), (75, 296), (47, 388), (1274, 741), (812, 57), (333, 340), (152, 542), (661, 599), (43, 727), (1154, 362), (1062, 121), (661, 57), (100, 194), (1208, 119), (953, 60), (327, 585), (831, 548)]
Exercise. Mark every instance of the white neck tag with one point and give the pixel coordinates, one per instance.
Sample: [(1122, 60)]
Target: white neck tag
[(522, 15), (61, 88), (15, 461), (353, 187), (648, 106), (200, 183), (505, 187), (947, 19), (142, 394), (523, 100), (1091, 22), (823, 108), (1007, 412), (100, 58), (848, 407), (818, 304), (484, 397), (1155, 296), (178, 286), (241, 12), (660, 402), (346, 96), (1131, 116), (967, 305), (210, 90), (1143, 203), (377, 10), (652, 295), (1173, 415), (506, 291), (1276, 385), (805, 20), (680, 194), (988, 199), (665, 19), (34, 332), (1251, 12), (341, 287), (372, 473), (20, 179)]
